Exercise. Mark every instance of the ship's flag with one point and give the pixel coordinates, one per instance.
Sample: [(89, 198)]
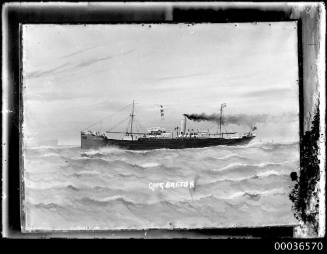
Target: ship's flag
[(223, 105), (162, 114), (254, 128)]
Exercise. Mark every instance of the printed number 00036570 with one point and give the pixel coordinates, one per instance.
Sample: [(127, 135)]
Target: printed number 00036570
[(298, 246)]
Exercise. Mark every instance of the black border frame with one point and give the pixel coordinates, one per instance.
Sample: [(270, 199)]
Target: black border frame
[(14, 15)]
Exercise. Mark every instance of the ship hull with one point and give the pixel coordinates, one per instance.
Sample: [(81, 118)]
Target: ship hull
[(89, 141)]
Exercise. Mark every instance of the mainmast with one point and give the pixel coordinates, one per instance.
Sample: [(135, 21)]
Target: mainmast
[(132, 119), (221, 118)]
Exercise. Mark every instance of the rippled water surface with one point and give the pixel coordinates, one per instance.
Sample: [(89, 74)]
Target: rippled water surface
[(70, 188)]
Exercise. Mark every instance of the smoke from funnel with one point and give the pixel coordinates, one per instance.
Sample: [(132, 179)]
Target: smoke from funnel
[(202, 117), (240, 119)]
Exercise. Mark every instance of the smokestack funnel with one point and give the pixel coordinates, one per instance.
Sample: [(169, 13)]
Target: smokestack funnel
[(183, 125)]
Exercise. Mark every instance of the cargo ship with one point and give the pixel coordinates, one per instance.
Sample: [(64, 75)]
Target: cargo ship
[(158, 138)]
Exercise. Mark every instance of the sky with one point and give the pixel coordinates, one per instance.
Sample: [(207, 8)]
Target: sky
[(76, 75)]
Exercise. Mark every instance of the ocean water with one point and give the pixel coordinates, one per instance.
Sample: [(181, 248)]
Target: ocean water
[(110, 188)]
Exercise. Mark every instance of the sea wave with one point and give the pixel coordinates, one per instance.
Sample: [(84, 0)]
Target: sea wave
[(243, 179), (244, 166), (110, 186), (46, 185), (47, 206), (150, 165), (195, 201), (106, 201), (273, 146), (255, 194)]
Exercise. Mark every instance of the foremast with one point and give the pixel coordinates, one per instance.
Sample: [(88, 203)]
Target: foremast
[(132, 119)]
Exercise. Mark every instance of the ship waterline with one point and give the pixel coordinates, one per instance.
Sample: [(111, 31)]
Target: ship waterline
[(91, 141)]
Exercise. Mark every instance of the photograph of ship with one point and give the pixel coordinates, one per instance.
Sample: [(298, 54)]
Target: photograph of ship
[(159, 126), (157, 138)]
